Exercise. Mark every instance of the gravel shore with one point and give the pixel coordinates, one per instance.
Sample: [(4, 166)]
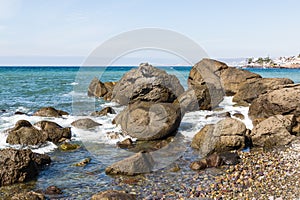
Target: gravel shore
[(261, 174)]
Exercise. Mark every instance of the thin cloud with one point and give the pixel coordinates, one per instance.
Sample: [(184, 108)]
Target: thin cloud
[(9, 8)]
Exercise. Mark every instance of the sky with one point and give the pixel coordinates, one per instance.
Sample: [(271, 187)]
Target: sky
[(66, 32)]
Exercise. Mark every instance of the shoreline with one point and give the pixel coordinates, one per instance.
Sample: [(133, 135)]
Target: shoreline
[(178, 180)]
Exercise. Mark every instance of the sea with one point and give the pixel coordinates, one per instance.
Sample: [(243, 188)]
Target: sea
[(27, 89)]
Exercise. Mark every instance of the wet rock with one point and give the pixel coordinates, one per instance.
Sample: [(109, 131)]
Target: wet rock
[(239, 115), (50, 112), (86, 123), (69, 146), (55, 132), (113, 195), (26, 134), (283, 101), (18, 166), (251, 89), (83, 163), (148, 120), (104, 111), (147, 83), (214, 160), (125, 144), (274, 131), (176, 168), (41, 160), (20, 113), (28, 196), (228, 134), (114, 135), (137, 164), (230, 158), (150, 146), (219, 115), (53, 190), (198, 165)]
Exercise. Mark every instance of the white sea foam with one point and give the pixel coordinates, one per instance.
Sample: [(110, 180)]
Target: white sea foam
[(73, 83), (193, 122), (108, 133)]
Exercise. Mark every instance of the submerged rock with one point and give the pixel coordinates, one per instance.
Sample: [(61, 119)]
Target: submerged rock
[(146, 83), (125, 144), (148, 120), (52, 190), (69, 146), (50, 112), (86, 123), (83, 163), (18, 166), (137, 164), (113, 195)]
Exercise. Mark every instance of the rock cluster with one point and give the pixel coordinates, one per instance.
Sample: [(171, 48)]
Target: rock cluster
[(26, 134)]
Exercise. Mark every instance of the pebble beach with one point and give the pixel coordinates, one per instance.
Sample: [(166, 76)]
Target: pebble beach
[(261, 174)]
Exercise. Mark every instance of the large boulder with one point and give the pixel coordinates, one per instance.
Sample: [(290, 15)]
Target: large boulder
[(113, 195), (274, 131), (146, 83), (232, 78), (205, 88), (26, 134), (251, 89), (137, 164), (196, 98), (97, 88), (85, 123), (18, 166), (55, 132), (283, 101), (148, 120), (50, 112), (228, 134), (100, 89)]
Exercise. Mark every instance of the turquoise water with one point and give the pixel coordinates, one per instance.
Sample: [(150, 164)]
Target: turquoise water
[(27, 89)]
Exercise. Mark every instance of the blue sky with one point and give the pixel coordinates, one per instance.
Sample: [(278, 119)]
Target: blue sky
[(67, 31)]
